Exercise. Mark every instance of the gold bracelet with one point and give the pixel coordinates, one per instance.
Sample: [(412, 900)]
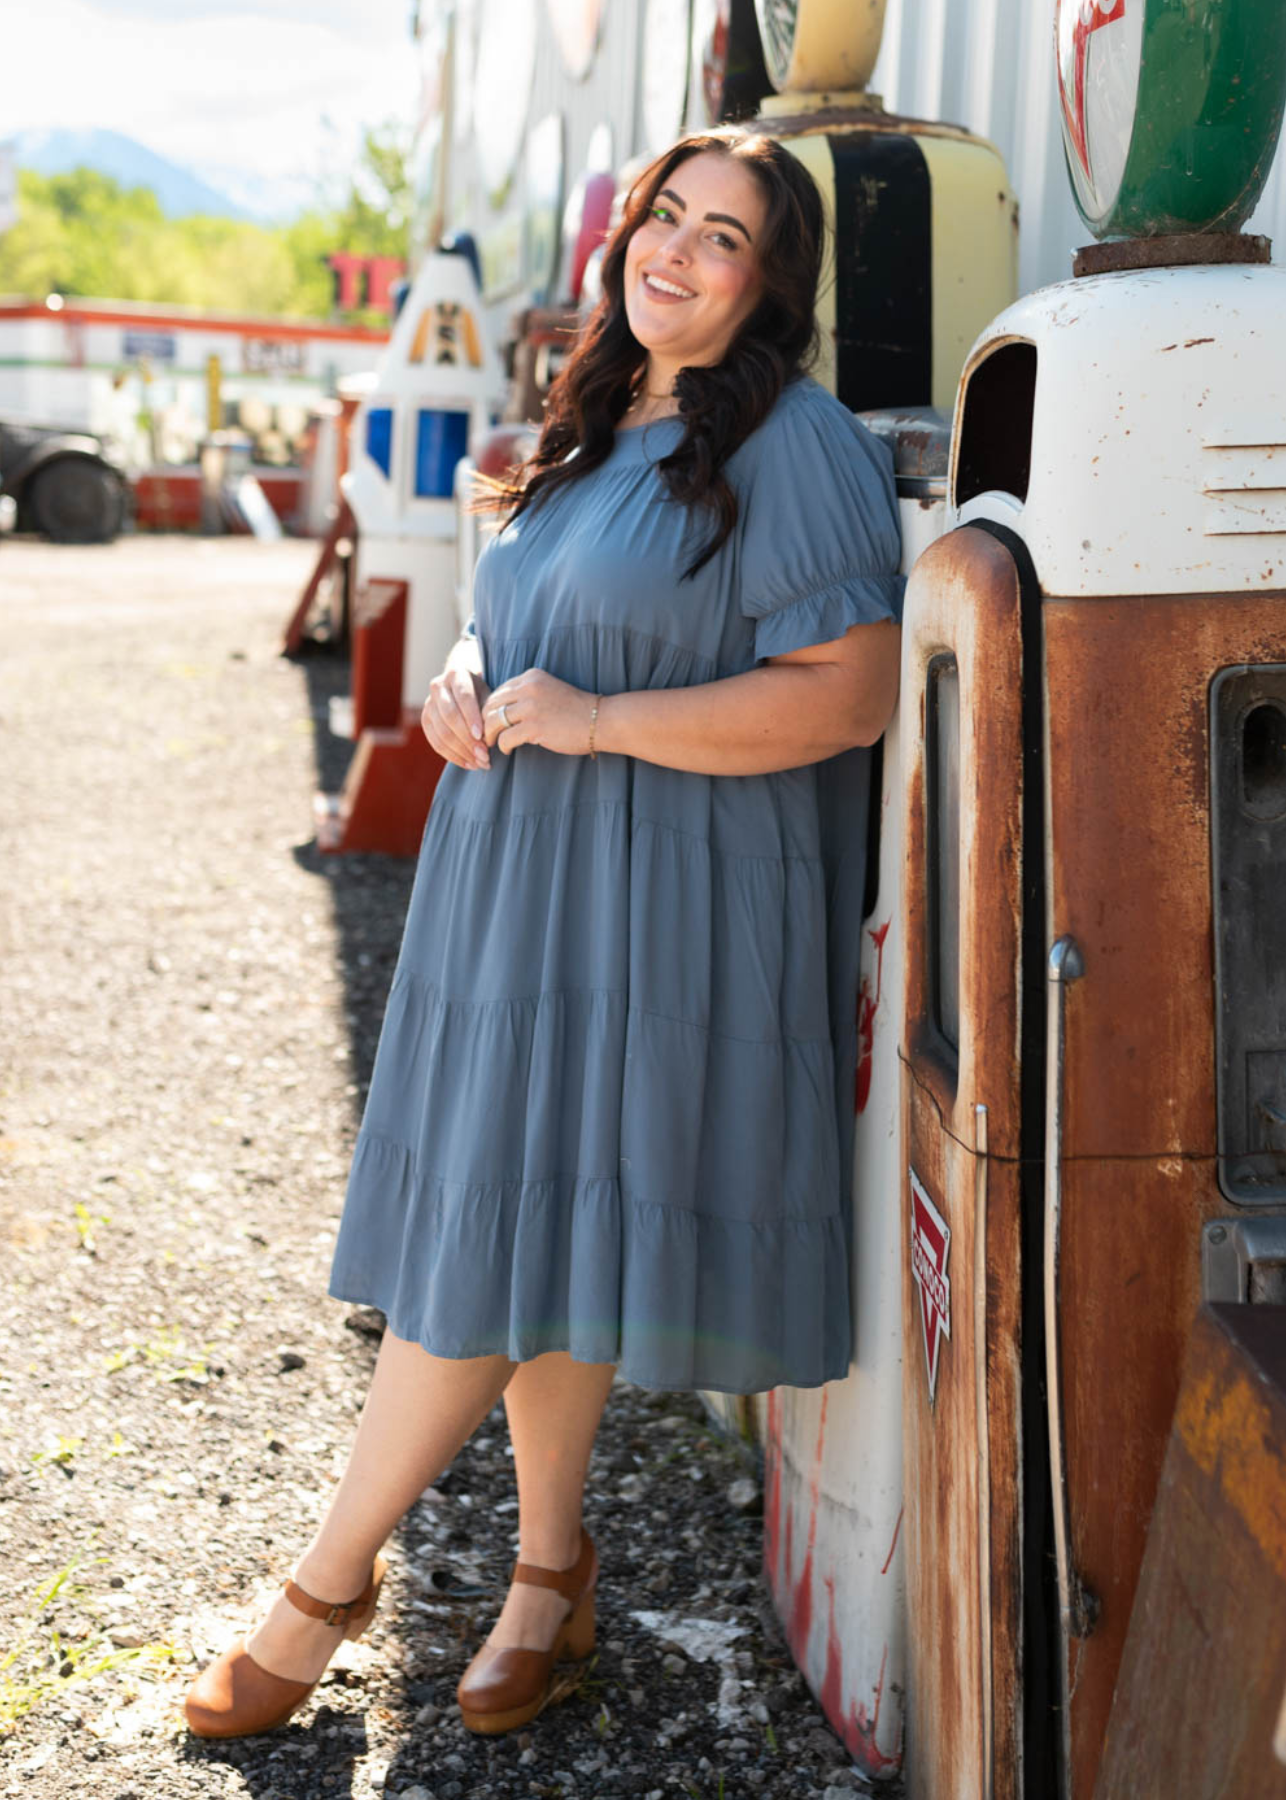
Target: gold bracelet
[(593, 720)]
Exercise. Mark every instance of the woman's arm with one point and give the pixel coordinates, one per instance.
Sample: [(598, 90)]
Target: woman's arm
[(793, 709)]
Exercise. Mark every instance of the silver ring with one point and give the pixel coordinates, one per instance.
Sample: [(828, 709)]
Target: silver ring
[(503, 710)]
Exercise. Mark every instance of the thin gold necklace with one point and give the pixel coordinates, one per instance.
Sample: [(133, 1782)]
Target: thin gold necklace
[(644, 395)]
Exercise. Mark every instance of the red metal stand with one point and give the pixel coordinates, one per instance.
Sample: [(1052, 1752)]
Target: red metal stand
[(385, 798), (386, 793)]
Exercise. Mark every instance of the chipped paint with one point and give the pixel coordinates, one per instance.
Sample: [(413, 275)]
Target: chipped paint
[(867, 1007)]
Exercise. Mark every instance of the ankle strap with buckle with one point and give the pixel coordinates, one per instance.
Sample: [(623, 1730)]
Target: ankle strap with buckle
[(328, 1612)]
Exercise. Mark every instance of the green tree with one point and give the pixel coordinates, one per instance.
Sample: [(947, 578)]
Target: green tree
[(82, 233)]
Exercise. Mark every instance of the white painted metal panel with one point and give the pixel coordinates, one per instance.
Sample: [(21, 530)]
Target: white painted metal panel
[(989, 65), (1187, 361)]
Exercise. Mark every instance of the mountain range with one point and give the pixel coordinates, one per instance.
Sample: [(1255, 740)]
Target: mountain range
[(181, 192)]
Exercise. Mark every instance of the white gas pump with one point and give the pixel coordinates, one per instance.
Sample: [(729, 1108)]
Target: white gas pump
[(436, 391)]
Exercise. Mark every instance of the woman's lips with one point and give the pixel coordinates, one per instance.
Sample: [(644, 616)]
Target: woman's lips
[(661, 295)]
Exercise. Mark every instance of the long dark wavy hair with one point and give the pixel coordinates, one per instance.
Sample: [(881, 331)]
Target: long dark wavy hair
[(720, 403)]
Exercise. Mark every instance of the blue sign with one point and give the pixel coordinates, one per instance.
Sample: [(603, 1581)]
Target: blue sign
[(155, 346)]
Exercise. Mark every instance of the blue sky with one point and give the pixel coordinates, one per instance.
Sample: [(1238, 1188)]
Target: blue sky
[(262, 93)]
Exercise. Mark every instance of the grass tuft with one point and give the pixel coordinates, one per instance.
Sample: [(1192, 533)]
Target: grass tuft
[(39, 1666)]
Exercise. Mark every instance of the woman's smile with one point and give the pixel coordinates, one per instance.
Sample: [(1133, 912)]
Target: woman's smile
[(659, 287)]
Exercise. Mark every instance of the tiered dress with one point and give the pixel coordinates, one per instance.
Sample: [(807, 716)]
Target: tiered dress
[(612, 1106)]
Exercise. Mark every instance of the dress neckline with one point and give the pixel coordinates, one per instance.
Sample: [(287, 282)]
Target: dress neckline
[(631, 439), (661, 419)]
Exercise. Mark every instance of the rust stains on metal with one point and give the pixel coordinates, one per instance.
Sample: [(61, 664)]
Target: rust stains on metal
[(831, 121), (961, 1535), (1131, 880), (1127, 685), (1185, 250), (1219, 1530)]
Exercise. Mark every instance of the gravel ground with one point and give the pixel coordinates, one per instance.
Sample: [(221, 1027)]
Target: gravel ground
[(190, 997)]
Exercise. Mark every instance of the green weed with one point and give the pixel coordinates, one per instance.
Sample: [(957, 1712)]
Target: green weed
[(67, 1448), (168, 1355), (39, 1666), (85, 1223)]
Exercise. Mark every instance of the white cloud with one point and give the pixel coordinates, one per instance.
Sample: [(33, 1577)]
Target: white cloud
[(239, 86)]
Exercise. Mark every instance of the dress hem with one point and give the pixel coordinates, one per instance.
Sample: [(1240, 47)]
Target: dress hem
[(624, 1368)]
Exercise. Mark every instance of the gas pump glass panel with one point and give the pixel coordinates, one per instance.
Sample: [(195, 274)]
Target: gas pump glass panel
[(942, 846), (1248, 855), (1170, 110), (441, 439), (379, 437), (1098, 45)]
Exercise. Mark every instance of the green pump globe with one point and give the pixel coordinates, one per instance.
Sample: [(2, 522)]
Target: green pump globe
[(1171, 110)]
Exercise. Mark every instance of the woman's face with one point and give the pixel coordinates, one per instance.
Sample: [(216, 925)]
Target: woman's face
[(692, 274)]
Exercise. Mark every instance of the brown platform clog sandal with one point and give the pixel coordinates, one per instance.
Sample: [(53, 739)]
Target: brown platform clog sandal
[(508, 1688), (234, 1696)]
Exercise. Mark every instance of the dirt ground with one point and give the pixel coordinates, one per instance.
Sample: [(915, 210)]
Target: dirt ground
[(190, 996)]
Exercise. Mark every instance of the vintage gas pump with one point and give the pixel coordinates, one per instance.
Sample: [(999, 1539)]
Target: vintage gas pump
[(1094, 1083), (437, 387)]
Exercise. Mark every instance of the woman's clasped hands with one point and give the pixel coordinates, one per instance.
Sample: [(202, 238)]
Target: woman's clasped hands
[(536, 708), (463, 718)]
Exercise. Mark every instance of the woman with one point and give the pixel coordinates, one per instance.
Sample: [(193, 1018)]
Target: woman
[(610, 1120)]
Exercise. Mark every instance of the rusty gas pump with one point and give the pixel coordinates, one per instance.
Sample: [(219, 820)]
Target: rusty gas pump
[(1094, 1082)]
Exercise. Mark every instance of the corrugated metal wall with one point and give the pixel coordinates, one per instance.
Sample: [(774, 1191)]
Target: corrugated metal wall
[(989, 65)]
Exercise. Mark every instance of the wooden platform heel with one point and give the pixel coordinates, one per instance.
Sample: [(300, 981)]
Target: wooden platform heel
[(504, 1689)]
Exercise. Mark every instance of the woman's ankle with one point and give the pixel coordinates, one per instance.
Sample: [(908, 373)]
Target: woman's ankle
[(551, 1549), (326, 1576)]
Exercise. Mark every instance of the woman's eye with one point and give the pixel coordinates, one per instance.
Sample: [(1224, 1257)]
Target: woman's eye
[(723, 240), (662, 213)]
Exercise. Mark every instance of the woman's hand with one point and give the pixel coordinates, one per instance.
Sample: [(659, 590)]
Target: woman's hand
[(541, 710), (452, 717)]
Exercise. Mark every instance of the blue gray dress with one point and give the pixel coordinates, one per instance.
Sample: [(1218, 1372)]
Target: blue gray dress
[(612, 1106)]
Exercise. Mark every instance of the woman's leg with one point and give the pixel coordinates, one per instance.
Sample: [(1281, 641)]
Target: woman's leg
[(554, 1406), (419, 1410)]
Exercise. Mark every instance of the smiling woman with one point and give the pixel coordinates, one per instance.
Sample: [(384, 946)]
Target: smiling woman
[(610, 1122)]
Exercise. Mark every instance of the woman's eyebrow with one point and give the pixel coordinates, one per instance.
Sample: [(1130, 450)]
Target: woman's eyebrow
[(716, 218)]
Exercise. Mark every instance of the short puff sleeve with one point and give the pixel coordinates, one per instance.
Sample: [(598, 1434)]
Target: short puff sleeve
[(822, 540)]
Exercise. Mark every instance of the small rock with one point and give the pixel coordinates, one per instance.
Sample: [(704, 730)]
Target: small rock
[(428, 1714), (289, 1359), (743, 1494), (126, 1637), (674, 1665), (367, 1321)]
